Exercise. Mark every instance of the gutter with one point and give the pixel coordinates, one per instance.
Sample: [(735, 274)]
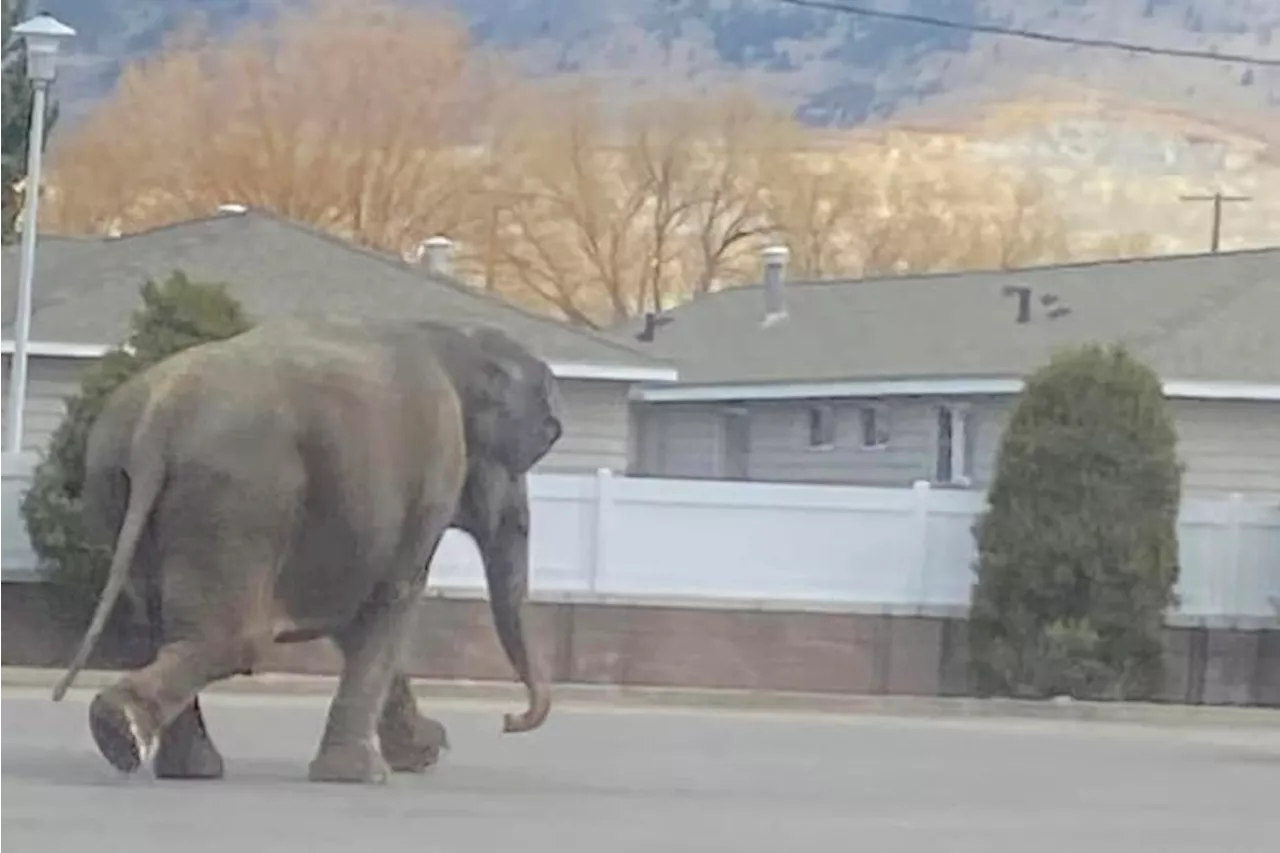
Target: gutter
[(562, 370)]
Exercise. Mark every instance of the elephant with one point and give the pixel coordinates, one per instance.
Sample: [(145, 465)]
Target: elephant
[(293, 482)]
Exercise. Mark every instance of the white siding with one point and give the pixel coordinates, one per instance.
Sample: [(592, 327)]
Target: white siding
[(597, 423), (686, 440), (678, 440), (1229, 446), (780, 450), (1226, 446), (50, 380)]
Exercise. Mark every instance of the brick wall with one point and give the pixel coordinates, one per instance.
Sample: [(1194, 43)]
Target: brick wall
[(695, 647)]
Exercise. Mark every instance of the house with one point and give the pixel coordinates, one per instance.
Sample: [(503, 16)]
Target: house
[(891, 380), (87, 288)]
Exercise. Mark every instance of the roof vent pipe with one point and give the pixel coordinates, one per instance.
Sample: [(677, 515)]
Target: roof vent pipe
[(436, 252), (774, 277)]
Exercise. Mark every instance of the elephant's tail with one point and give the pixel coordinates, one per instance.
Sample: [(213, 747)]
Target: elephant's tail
[(144, 488)]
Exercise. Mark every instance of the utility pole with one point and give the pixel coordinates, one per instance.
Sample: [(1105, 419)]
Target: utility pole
[(1217, 198)]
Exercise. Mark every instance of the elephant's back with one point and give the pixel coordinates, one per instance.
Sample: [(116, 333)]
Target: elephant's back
[(358, 412)]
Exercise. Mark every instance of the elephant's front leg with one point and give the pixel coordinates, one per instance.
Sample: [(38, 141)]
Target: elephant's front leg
[(348, 751), (410, 741), (186, 750)]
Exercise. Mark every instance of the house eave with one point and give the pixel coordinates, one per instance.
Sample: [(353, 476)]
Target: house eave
[(561, 369), (49, 349), (924, 387), (612, 372)]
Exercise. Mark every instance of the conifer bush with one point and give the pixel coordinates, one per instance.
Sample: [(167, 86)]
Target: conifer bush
[(1078, 549), (175, 314)]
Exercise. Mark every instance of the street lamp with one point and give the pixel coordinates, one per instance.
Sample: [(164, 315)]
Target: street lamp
[(43, 35)]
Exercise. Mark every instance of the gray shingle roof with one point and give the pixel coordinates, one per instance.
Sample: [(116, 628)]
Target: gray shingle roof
[(87, 288), (1191, 317)]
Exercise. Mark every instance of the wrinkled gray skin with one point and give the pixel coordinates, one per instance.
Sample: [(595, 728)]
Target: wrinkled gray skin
[(292, 483)]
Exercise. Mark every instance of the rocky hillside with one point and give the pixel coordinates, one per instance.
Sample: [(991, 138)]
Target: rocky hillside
[(1120, 135), (837, 69), (1122, 165)]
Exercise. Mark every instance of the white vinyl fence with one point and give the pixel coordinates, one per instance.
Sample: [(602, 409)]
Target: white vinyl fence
[(19, 561), (733, 543), (894, 550)]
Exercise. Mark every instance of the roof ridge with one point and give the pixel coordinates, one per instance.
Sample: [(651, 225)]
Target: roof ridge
[(445, 280), (146, 232), (386, 258), (753, 286)]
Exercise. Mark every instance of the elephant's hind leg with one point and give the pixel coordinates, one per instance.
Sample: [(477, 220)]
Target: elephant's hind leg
[(221, 532), (410, 741), (186, 751), (214, 628), (128, 718)]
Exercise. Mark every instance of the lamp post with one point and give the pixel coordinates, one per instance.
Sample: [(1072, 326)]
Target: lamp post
[(43, 35)]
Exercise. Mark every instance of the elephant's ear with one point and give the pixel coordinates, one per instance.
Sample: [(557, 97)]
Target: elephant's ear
[(497, 373), (499, 376)]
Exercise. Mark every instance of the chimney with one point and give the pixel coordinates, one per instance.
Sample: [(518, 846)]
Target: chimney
[(435, 252), (652, 322), (650, 330), (1055, 308), (1024, 300), (774, 278)]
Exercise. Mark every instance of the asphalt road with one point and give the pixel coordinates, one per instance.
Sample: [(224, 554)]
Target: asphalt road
[(601, 779)]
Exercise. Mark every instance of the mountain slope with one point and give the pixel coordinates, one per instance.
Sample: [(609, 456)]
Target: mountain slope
[(837, 69)]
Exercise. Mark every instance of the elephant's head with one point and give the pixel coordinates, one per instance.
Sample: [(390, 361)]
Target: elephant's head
[(512, 410), (510, 400)]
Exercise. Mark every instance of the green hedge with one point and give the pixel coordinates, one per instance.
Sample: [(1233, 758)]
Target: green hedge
[(1078, 551)]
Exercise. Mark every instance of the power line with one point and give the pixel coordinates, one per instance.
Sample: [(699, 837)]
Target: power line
[(1034, 35)]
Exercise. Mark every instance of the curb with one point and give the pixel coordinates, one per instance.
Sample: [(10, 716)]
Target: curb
[(1148, 713)]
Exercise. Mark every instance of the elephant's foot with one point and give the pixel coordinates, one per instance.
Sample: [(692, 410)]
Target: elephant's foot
[(121, 731), (414, 744), (186, 752), (199, 761), (349, 762), (410, 742)]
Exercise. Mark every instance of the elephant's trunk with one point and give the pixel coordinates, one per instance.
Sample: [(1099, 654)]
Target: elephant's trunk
[(506, 601), (506, 561)]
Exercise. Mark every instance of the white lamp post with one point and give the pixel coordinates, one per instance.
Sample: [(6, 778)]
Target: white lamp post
[(43, 35)]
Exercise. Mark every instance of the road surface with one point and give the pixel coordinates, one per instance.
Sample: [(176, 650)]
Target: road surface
[(603, 779)]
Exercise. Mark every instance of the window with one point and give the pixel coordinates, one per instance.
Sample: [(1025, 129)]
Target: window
[(822, 426), (874, 426), (953, 455), (942, 469), (735, 446), (649, 427)]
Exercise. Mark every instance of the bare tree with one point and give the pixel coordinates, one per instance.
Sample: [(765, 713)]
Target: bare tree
[(600, 217), (358, 118), (382, 124), (907, 203)]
